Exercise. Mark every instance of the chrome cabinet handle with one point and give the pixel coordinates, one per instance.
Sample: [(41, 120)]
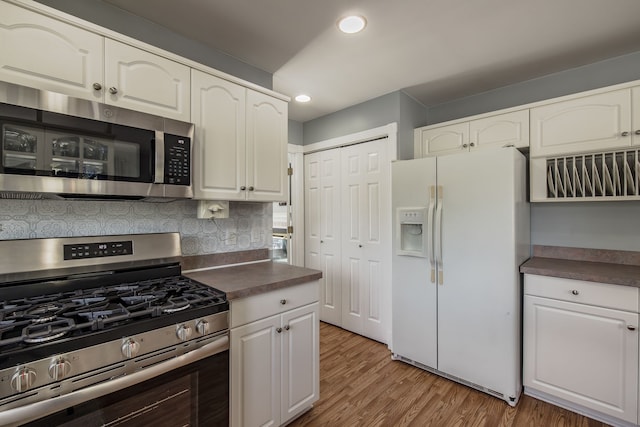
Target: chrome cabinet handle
[(251, 188), (575, 292), (279, 330), (113, 90), (631, 327), (283, 301), (637, 132), (97, 86), (243, 188), (625, 133), (287, 327), (359, 246), (473, 144), (464, 145)]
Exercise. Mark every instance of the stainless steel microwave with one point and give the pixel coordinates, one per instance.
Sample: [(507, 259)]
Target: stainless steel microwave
[(55, 146)]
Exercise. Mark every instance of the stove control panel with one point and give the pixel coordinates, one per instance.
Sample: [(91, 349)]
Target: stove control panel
[(98, 250)]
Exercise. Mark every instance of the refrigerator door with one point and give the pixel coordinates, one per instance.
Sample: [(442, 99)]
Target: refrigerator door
[(414, 296), (479, 297)]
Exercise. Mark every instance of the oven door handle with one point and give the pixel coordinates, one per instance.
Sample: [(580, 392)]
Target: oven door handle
[(34, 411)]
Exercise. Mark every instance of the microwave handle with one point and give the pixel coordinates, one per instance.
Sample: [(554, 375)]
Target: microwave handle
[(158, 173)]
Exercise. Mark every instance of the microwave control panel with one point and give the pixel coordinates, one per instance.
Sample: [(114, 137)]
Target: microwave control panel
[(177, 160)]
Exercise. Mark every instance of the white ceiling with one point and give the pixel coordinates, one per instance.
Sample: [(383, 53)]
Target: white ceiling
[(434, 50)]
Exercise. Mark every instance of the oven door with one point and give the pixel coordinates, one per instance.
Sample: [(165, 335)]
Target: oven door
[(189, 390)]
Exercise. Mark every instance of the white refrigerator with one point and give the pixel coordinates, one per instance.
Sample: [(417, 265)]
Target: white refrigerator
[(461, 231)]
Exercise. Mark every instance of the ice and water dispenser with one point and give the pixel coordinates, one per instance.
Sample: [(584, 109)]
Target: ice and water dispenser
[(412, 232)]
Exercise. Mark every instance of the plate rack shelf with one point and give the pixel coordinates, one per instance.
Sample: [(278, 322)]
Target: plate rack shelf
[(611, 175)]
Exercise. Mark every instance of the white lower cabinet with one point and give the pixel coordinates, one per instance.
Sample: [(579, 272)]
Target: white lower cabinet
[(581, 345), (275, 357)]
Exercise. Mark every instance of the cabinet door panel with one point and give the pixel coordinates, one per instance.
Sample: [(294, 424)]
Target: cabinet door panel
[(44, 53), (300, 360), (218, 109), (266, 147), (501, 130), (583, 354), (146, 82), (255, 374), (444, 140), (592, 123)]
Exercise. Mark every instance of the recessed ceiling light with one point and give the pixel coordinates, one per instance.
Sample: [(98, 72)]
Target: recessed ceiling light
[(303, 98), (352, 24)]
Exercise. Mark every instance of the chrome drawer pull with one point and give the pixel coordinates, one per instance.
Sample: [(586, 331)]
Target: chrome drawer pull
[(575, 292)]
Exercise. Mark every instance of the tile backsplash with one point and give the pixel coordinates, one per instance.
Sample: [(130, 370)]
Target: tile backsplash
[(248, 226)]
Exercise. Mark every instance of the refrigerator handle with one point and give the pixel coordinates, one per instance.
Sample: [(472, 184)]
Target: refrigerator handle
[(429, 237), (438, 235)]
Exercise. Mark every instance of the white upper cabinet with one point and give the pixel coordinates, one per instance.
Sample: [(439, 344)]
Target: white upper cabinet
[(44, 53), (266, 148), (503, 130), (240, 144), (441, 140), (218, 111), (508, 129), (592, 123), (41, 52), (139, 80)]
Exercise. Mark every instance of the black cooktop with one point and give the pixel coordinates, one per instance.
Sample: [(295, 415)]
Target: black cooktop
[(71, 313)]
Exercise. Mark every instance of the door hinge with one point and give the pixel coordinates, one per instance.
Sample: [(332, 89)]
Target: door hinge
[(290, 171), (290, 229)]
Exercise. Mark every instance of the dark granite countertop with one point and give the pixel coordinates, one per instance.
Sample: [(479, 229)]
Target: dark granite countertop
[(592, 265), (241, 281)]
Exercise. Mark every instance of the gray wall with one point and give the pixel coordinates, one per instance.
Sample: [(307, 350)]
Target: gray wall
[(295, 133), (393, 107), (599, 74), (605, 225), (113, 18)]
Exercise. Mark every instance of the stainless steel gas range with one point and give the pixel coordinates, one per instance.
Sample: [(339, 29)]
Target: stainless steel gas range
[(103, 330)]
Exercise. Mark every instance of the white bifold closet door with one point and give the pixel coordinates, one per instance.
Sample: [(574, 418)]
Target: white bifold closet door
[(348, 228)]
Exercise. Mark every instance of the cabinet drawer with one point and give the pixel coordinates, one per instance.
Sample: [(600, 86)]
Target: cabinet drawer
[(592, 293), (250, 309)]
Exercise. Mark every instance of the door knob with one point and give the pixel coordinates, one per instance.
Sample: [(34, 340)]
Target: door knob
[(97, 86), (113, 90)]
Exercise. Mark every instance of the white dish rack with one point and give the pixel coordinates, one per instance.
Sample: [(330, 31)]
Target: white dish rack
[(612, 175)]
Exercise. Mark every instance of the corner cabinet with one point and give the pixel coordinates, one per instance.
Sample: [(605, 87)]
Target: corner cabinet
[(507, 129), (42, 52), (240, 143), (275, 356), (580, 347)]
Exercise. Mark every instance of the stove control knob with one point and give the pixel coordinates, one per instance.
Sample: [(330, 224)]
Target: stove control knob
[(23, 379), (203, 327), (130, 348), (184, 332), (59, 369)]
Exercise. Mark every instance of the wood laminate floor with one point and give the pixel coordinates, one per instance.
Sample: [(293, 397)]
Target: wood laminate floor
[(361, 386)]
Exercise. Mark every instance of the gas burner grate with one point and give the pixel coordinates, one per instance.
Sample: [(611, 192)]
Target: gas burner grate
[(48, 317)]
